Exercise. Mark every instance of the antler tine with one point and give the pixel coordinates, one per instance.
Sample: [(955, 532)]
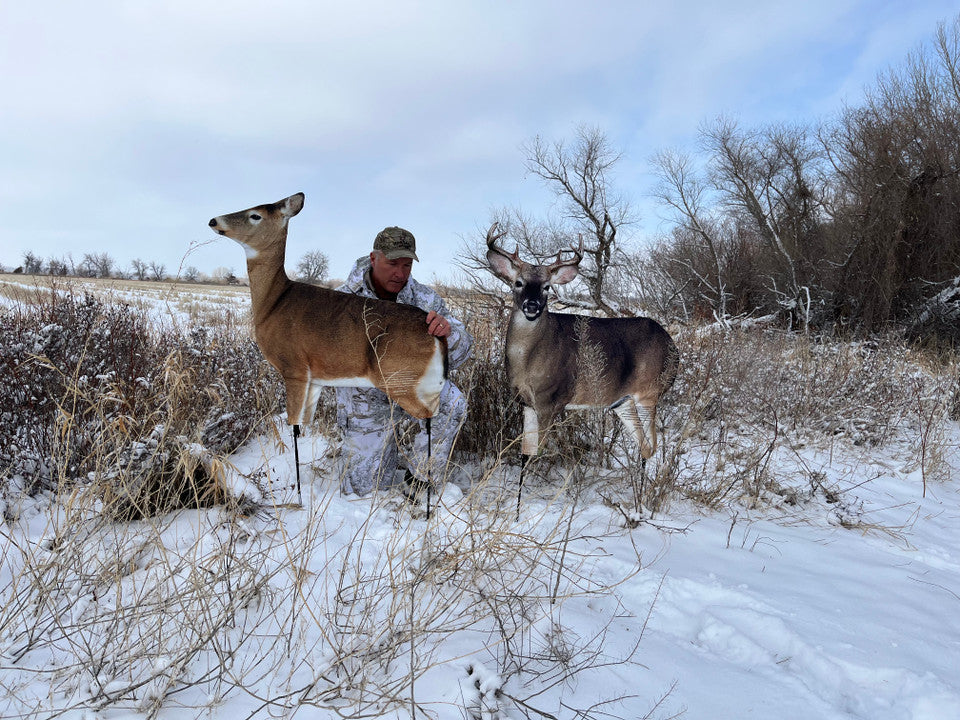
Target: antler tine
[(493, 236), (575, 260)]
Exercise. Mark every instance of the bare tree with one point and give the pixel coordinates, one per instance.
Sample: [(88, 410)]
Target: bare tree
[(57, 266), (191, 274), (158, 271), (32, 264), (695, 237), (96, 265), (771, 179), (223, 274), (105, 264), (139, 269), (313, 267), (580, 177)]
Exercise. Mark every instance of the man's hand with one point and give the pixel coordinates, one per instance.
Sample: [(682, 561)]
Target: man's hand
[(437, 325)]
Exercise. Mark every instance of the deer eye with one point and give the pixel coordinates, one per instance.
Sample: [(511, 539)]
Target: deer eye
[(546, 287), (255, 217), (518, 284)]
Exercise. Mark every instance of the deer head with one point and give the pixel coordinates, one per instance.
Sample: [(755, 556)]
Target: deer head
[(261, 227), (530, 283)]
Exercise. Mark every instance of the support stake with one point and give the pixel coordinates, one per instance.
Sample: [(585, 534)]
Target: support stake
[(429, 479), (524, 461), (296, 460)]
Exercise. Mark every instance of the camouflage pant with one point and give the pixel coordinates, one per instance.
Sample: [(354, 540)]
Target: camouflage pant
[(377, 434)]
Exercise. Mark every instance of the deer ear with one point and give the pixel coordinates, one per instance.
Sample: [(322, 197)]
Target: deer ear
[(292, 205), (563, 274), (502, 267)]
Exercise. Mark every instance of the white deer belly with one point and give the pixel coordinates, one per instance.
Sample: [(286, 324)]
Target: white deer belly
[(343, 382)]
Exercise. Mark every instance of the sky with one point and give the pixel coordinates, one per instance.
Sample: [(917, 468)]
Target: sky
[(126, 125)]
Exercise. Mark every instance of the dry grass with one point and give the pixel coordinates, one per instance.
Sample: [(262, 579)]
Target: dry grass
[(174, 303), (747, 402), (184, 610), (98, 395)]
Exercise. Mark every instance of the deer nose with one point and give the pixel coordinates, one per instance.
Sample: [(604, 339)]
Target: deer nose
[(213, 222), (531, 308)]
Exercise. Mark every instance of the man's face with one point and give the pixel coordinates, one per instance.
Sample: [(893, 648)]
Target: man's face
[(390, 275)]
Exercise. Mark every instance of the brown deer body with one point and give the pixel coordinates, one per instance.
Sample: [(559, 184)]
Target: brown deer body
[(314, 336), (556, 361)]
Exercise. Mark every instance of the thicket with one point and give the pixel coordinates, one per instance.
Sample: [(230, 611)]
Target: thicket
[(852, 226), (96, 394), (747, 399)]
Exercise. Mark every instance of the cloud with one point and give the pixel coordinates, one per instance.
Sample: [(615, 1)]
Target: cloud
[(128, 124)]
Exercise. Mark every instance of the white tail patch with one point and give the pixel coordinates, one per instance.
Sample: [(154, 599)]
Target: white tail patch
[(432, 378)]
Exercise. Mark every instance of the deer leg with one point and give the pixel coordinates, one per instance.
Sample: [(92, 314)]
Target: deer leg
[(310, 401), (627, 410), (529, 442), (296, 400), (636, 417), (649, 409)]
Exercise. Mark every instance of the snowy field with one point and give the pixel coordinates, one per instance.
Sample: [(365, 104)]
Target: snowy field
[(842, 603), (164, 303)]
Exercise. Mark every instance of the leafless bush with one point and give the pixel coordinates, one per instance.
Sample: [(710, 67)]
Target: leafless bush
[(748, 398), (99, 395), (133, 615)]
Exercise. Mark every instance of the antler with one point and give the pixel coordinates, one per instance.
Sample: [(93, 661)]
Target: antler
[(496, 255), (574, 261), (493, 236)]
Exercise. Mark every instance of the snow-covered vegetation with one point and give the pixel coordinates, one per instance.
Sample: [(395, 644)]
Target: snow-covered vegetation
[(793, 552)]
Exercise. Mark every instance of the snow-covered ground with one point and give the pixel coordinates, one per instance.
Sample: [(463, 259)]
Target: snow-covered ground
[(845, 609), (162, 302)]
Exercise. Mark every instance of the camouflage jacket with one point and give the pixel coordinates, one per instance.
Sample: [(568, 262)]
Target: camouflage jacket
[(459, 342)]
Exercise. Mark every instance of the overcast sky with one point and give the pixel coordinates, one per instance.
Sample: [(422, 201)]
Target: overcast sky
[(125, 126)]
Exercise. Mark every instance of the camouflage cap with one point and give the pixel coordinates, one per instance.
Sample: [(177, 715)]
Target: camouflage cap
[(395, 242)]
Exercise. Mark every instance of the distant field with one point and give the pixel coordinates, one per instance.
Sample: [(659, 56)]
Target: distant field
[(173, 302)]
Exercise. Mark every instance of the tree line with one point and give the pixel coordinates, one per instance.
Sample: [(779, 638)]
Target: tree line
[(313, 267), (849, 224)]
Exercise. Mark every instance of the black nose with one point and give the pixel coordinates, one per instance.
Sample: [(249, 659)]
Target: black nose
[(213, 223), (531, 309)]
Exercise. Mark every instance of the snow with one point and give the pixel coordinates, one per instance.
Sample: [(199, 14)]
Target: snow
[(163, 303), (772, 612)]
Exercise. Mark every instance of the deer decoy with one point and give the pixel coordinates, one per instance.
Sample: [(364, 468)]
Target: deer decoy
[(632, 361)]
